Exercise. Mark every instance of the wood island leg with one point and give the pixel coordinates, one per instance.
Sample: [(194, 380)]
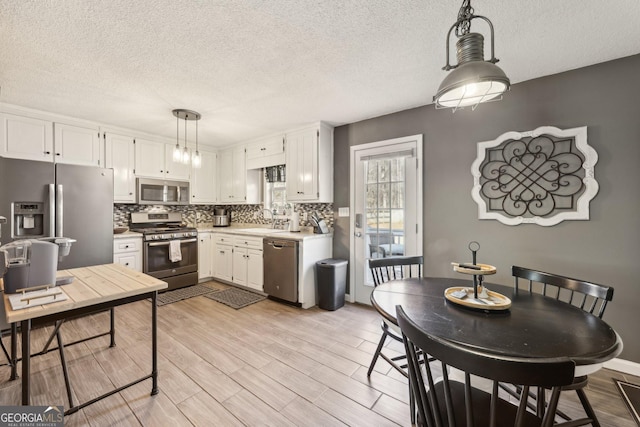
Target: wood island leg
[(14, 351)]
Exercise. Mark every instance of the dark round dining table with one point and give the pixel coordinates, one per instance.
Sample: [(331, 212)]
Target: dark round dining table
[(534, 326)]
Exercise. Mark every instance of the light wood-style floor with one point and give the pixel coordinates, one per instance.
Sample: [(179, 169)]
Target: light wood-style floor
[(266, 364)]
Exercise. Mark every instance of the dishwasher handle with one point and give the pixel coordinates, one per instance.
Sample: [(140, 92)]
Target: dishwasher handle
[(280, 244)]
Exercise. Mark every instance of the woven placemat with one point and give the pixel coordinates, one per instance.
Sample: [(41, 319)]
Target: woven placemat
[(183, 293), (235, 298)]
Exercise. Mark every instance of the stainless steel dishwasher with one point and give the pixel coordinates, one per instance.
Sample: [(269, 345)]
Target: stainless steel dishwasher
[(281, 268)]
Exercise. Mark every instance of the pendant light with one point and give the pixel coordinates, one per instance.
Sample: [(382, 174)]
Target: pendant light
[(183, 155), (473, 80)]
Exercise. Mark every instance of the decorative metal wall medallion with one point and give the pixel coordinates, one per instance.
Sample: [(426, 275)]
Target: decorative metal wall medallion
[(542, 177)]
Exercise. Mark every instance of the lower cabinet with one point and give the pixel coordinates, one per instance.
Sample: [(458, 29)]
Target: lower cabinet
[(223, 256), (247, 261), (205, 255), (128, 252), (237, 259)]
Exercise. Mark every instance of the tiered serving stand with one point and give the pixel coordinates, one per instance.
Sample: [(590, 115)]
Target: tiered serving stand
[(476, 297)]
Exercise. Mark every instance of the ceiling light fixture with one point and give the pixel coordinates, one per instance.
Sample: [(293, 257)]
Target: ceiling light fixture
[(473, 80), (183, 155)]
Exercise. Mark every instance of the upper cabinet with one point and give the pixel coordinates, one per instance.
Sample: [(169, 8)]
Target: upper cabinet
[(120, 156), (155, 160), (236, 184), (309, 161), (266, 152), (32, 138), (203, 180), (26, 138), (77, 145)]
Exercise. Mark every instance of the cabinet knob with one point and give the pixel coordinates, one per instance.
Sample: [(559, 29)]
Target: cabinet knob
[(167, 171), (131, 194), (126, 247), (57, 154), (161, 171), (126, 263), (47, 152)]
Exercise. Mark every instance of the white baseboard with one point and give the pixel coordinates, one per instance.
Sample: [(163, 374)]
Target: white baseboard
[(625, 366)]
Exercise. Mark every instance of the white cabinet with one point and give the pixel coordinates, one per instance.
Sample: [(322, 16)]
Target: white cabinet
[(203, 180), (223, 256), (175, 170), (26, 138), (155, 160), (255, 269), (235, 183), (265, 152), (205, 255), (120, 156), (77, 145), (247, 262), (309, 161), (128, 252)]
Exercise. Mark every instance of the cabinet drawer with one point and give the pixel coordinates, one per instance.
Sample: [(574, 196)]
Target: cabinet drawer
[(247, 242), (126, 245), (128, 260), (223, 238)]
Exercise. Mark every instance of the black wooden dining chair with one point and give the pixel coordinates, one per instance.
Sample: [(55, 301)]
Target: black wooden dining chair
[(449, 402), (384, 270), (588, 296)]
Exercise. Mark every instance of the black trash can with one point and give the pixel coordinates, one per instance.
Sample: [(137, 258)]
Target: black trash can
[(331, 275)]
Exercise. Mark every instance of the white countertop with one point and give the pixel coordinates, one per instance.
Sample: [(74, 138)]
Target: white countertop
[(255, 230)]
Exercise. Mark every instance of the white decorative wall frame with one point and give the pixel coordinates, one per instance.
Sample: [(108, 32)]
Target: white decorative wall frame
[(542, 177)]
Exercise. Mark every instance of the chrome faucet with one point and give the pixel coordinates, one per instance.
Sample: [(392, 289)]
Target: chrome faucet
[(273, 216)]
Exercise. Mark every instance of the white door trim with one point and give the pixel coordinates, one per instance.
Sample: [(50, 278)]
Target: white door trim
[(352, 211)]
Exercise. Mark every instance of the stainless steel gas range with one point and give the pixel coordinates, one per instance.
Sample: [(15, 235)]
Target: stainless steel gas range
[(170, 250)]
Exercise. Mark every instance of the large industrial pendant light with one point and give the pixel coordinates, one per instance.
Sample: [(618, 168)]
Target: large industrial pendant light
[(473, 80), (182, 155)]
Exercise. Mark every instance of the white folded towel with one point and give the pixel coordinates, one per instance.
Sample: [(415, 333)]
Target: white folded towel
[(175, 254)]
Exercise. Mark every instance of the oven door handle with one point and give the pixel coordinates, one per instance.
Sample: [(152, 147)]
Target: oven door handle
[(167, 243)]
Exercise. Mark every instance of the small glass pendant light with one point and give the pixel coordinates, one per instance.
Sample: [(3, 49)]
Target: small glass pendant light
[(183, 155)]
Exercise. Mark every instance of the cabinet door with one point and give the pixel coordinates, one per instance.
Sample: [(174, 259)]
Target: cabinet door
[(149, 158), (239, 175), (175, 170), (223, 259), (225, 176), (255, 269), (121, 158), (203, 180), (26, 138), (76, 145), (302, 165), (240, 262), (205, 258)]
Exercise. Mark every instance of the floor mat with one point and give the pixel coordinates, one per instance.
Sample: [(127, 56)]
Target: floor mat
[(631, 395), (183, 293), (236, 298)]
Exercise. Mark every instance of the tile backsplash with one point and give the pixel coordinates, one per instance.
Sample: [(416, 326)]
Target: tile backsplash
[(245, 214)]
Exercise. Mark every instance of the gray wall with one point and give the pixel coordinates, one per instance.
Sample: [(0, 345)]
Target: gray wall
[(604, 249)]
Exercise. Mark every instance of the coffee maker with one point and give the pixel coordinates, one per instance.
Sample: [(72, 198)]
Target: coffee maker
[(221, 217)]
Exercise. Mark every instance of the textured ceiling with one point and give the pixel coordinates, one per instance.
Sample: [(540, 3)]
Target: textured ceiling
[(256, 67)]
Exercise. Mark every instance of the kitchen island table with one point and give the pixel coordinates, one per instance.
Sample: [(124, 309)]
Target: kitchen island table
[(96, 288)]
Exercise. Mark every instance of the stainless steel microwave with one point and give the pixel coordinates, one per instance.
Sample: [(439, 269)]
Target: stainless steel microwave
[(161, 192)]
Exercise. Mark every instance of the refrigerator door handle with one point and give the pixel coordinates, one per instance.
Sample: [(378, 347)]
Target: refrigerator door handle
[(52, 213), (59, 210)]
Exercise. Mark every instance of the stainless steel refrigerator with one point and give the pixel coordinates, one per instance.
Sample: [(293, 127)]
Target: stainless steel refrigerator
[(41, 199)]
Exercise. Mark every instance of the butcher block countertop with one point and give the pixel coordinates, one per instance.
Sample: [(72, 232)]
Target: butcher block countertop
[(91, 285)]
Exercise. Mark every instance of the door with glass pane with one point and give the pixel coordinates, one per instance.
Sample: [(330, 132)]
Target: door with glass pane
[(387, 205)]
